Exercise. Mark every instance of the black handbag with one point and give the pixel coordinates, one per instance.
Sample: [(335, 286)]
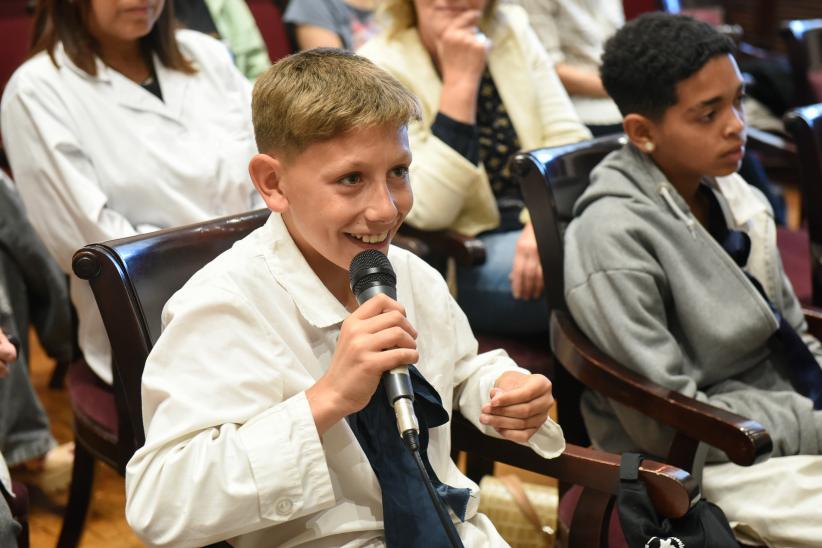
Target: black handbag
[(704, 526)]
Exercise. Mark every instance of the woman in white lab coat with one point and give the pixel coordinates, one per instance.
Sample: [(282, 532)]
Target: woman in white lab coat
[(118, 124)]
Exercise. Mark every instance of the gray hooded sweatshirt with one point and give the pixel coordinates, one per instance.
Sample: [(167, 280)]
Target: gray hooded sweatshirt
[(653, 289)]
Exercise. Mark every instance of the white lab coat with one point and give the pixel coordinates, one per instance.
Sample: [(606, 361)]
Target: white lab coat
[(99, 157), (232, 450)]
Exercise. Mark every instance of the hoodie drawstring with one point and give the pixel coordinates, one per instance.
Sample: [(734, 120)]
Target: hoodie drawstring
[(688, 219)]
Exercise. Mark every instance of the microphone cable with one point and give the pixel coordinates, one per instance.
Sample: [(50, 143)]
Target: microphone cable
[(412, 442), (370, 274)]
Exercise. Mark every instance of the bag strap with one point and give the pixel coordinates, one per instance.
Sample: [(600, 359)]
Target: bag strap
[(514, 486), (629, 466)]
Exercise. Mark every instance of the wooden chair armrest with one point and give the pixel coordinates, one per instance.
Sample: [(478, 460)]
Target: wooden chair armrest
[(813, 316), (414, 245), (671, 489), (745, 441), (465, 250)]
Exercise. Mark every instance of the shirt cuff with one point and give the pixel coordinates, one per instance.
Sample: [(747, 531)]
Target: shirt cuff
[(460, 136), (288, 461)]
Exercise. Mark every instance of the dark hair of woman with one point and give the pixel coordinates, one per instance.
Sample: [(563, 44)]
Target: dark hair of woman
[(66, 21)]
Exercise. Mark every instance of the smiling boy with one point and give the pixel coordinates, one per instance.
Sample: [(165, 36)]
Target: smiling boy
[(662, 264), (265, 351)]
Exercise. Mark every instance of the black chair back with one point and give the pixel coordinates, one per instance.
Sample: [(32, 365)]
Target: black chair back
[(805, 125), (803, 41), (551, 180), (132, 278)]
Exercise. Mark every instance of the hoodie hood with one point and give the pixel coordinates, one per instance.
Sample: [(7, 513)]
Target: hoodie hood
[(630, 174)]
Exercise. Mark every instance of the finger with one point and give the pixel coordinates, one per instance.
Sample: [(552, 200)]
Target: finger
[(522, 410), (467, 19), (389, 359), (533, 387), (509, 423), (528, 277), (387, 320), (539, 286), (516, 276), (393, 337), (376, 305), (519, 436)]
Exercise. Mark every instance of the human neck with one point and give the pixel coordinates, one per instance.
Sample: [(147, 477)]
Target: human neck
[(126, 58)]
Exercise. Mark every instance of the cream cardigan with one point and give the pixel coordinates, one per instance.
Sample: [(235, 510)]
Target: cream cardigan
[(450, 191)]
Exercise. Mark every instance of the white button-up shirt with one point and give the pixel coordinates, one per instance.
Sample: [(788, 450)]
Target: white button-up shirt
[(99, 157), (232, 450)]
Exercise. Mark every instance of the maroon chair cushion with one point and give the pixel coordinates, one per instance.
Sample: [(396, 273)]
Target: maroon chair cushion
[(794, 248), (19, 505), (92, 400), (567, 506)]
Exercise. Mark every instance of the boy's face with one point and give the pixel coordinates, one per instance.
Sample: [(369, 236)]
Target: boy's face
[(703, 134), (345, 195)]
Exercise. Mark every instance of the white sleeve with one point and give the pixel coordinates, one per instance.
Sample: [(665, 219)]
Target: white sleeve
[(226, 452), (560, 122), (474, 377), (55, 175)]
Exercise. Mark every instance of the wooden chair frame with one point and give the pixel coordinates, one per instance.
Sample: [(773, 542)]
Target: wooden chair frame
[(132, 277), (551, 180)]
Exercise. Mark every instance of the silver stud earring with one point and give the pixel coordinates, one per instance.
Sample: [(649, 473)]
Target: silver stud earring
[(649, 147)]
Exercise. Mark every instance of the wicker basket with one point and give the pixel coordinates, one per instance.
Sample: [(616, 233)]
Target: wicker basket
[(525, 514)]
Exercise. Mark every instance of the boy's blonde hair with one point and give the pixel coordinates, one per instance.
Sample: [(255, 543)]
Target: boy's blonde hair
[(314, 95), (398, 15)]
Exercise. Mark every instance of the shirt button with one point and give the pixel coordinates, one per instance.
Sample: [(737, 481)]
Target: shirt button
[(284, 507)]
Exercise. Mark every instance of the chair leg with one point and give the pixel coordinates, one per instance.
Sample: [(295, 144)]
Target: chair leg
[(57, 380), (82, 479)]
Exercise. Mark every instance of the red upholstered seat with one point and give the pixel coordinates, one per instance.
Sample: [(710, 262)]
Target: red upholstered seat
[(794, 247), (92, 400)]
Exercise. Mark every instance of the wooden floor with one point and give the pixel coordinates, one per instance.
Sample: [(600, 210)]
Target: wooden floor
[(106, 526)]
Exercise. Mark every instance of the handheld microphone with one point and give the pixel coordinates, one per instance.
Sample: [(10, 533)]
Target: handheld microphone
[(370, 274)]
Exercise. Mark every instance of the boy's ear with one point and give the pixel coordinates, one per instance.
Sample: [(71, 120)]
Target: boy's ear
[(267, 172), (639, 130)]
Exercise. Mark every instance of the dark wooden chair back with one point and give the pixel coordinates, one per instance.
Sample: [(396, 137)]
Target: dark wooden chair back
[(805, 125), (803, 41), (132, 278), (551, 180)]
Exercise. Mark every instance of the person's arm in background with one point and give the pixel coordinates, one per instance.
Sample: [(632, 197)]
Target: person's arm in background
[(8, 353), (543, 16), (580, 81), (237, 26), (313, 24), (54, 174)]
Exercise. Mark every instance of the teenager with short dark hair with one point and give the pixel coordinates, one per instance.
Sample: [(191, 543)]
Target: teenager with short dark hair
[(671, 268)]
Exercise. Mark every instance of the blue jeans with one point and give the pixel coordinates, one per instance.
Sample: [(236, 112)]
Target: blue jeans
[(484, 292), (24, 425)]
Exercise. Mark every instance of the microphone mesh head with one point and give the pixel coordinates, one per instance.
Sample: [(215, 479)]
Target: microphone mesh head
[(370, 268)]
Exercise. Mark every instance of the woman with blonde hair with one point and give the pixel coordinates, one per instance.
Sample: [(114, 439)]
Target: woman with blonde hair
[(487, 90), (119, 124)]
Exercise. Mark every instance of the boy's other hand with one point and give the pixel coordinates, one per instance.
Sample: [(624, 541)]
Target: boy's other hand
[(375, 338), (526, 273), (518, 405), (8, 353)]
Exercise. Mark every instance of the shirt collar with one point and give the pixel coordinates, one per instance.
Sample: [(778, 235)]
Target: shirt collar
[(290, 269), (742, 201)]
